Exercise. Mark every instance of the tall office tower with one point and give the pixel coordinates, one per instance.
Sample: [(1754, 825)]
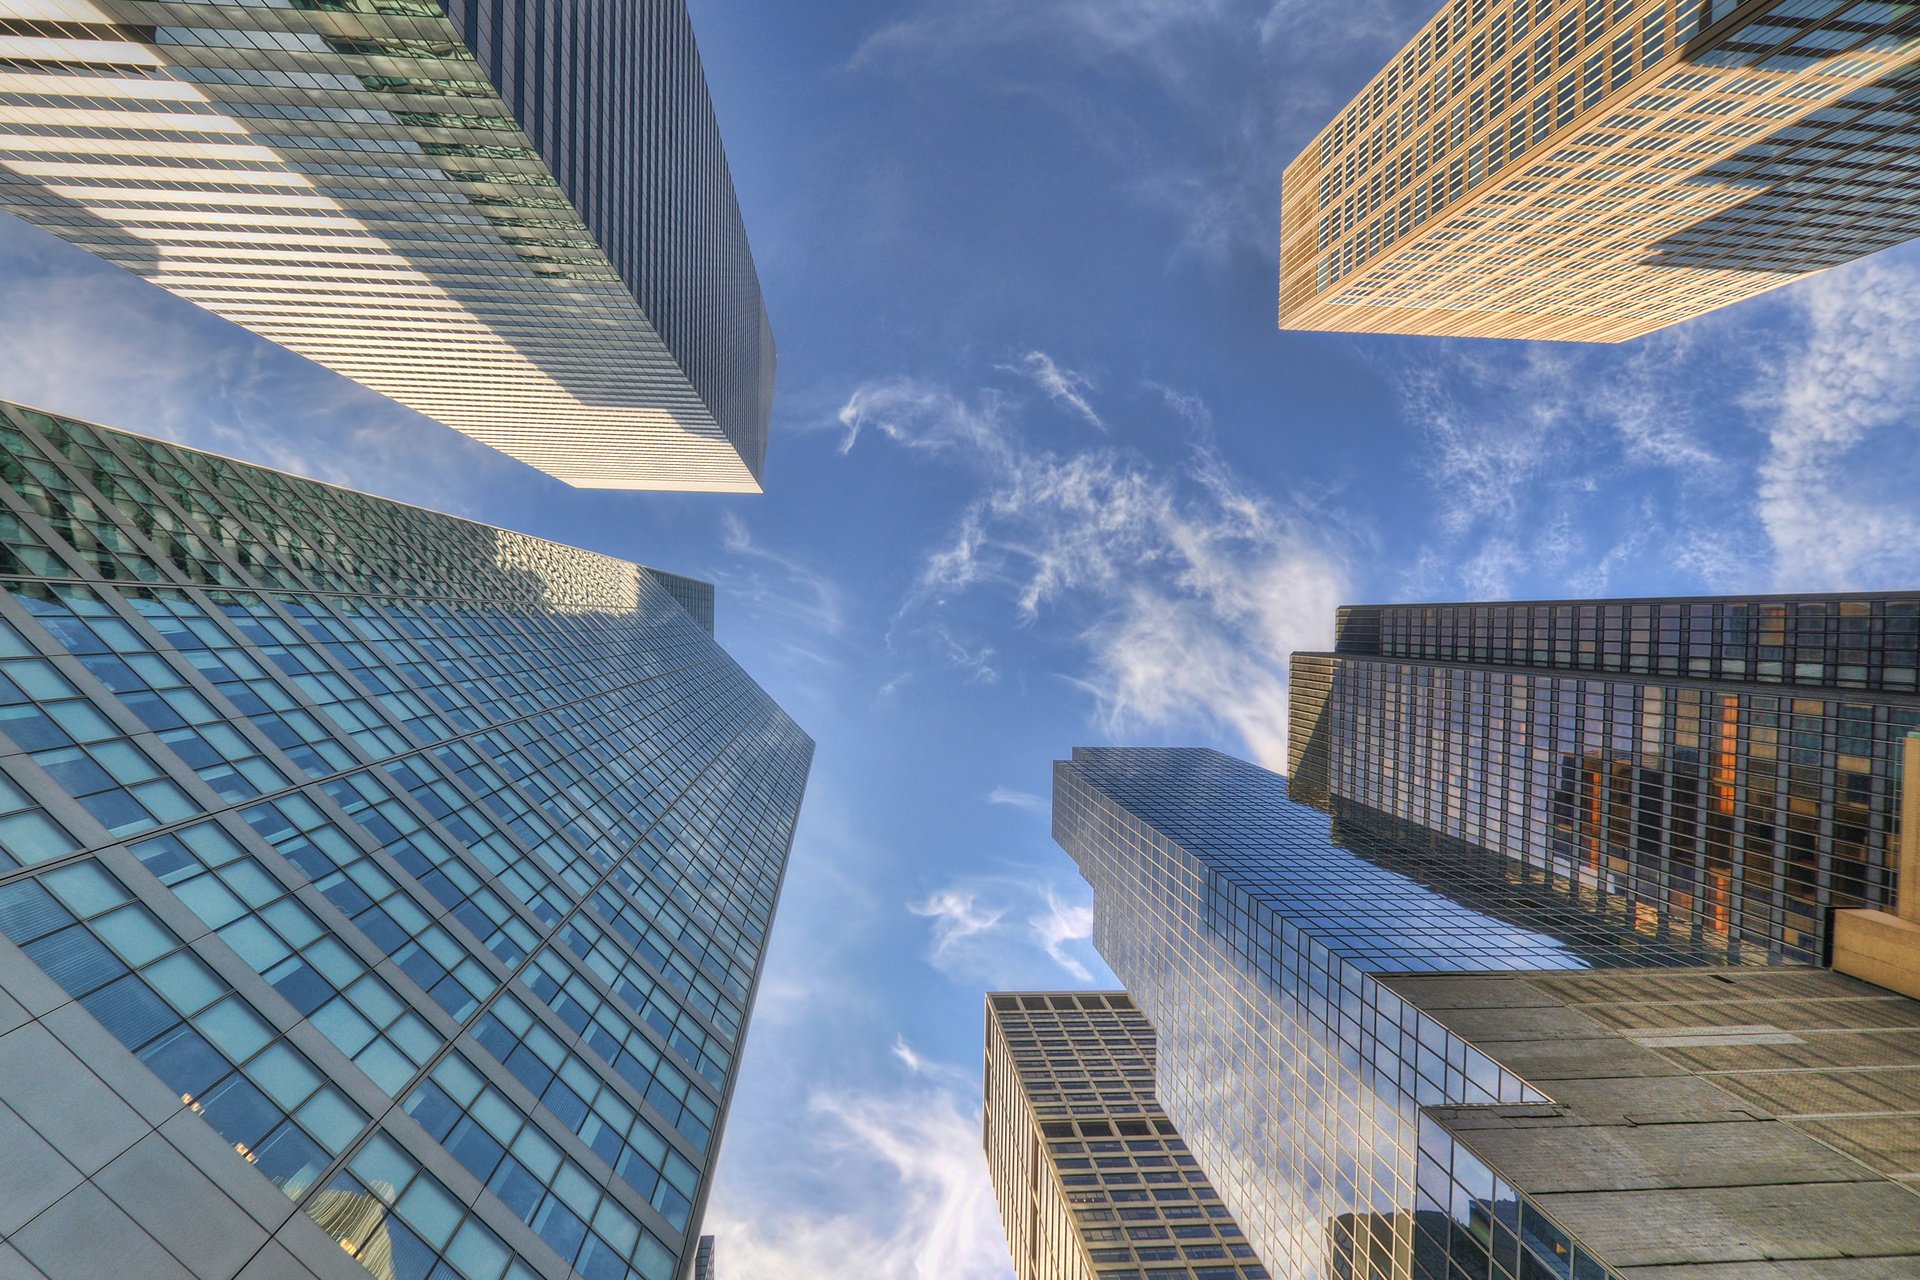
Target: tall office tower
[(703, 1268), (1398, 1055), (1091, 1177), (514, 216), (1727, 768), (378, 890), (1597, 169)]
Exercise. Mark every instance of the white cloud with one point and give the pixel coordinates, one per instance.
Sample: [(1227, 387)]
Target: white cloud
[(778, 587), (956, 917), (1012, 930), (1138, 30), (1018, 799), (1550, 469), (923, 417), (1061, 923), (1480, 466), (919, 1064), (976, 659), (924, 1209), (1063, 386), (1184, 590), (1843, 439), (1240, 85)]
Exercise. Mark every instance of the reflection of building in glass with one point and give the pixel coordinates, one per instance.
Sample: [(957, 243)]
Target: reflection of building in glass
[(416, 869), (1399, 1056), (514, 216), (1596, 169), (1727, 767), (358, 1222), (1091, 1177)]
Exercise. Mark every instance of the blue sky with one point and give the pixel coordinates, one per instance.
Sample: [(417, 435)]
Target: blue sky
[(1044, 474)]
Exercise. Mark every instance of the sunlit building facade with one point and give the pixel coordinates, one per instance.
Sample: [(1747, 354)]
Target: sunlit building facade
[(1593, 170), (1092, 1179), (1729, 767), (1400, 1056), (380, 892), (514, 216)]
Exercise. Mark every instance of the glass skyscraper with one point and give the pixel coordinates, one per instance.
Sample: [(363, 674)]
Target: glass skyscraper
[(514, 216), (1397, 1054), (1729, 767), (1592, 170), (380, 892)]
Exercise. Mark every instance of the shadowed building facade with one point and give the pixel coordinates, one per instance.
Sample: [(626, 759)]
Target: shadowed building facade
[(1596, 169), (1398, 1055), (514, 216), (380, 892), (1091, 1177), (1728, 768)]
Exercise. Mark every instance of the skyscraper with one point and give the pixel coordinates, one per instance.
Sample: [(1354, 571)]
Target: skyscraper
[(1398, 1055), (514, 216), (378, 889), (1730, 765), (1088, 1171), (1597, 169)]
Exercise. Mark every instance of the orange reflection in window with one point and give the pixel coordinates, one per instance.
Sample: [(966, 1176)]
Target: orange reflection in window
[(1727, 754)]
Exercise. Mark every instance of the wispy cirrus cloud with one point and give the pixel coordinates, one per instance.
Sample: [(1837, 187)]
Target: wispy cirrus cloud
[(1063, 386), (1233, 90), (926, 1209), (1770, 447), (957, 916), (781, 588), (1139, 30), (1527, 451), (1842, 423), (1009, 930), (1061, 923), (1184, 589), (1018, 799)]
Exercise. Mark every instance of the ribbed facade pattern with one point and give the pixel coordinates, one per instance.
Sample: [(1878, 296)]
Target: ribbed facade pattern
[(1593, 170), (516, 218), (1733, 765), (402, 882)]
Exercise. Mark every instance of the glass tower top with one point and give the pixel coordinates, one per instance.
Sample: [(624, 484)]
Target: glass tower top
[(1381, 895), (1257, 935)]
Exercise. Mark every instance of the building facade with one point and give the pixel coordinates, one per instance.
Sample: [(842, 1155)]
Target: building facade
[(1729, 767), (1596, 169), (1092, 1179), (1715, 1121), (1398, 1056), (380, 892), (515, 217)]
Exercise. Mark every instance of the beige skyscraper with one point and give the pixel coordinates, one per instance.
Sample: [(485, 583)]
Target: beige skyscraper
[(1598, 169), (1092, 1179)]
